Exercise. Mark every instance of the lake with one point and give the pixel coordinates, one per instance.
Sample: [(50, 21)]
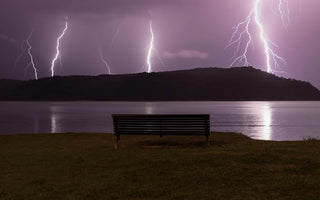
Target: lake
[(274, 120)]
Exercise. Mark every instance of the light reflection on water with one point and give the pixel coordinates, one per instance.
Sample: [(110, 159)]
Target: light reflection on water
[(54, 118), (266, 117), (259, 120), (149, 108)]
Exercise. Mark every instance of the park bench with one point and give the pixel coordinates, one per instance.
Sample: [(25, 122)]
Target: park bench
[(161, 125)]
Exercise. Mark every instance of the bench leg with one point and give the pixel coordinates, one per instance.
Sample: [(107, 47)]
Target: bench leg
[(116, 142), (207, 139)]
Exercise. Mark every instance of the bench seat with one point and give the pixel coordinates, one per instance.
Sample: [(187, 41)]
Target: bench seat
[(131, 124)]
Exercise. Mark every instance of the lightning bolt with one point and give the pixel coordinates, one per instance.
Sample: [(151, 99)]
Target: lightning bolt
[(31, 57), (150, 49), (58, 48), (102, 57), (31, 63), (284, 11), (236, 38), (242, 33), (115, 35)]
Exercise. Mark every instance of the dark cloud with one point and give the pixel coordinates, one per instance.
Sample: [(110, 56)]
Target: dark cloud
[(80, 6)]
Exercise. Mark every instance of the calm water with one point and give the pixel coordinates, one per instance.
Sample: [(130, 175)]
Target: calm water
[(259, 120)]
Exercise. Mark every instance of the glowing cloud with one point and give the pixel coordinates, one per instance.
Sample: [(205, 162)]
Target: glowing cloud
[(7, 38), (185, 53)]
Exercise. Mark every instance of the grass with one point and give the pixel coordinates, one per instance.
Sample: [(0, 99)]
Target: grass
[(86, 166)]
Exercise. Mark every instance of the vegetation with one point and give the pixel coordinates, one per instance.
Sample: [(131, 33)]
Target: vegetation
[(86, 166)]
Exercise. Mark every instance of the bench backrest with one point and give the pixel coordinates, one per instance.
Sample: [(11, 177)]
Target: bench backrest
[(161, 124)]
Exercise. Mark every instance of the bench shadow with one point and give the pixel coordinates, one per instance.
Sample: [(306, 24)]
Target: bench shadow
[(157, 144), (169, 142), (216, 139)]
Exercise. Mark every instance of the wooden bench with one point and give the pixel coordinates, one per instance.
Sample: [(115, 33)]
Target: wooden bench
[(160, 125)]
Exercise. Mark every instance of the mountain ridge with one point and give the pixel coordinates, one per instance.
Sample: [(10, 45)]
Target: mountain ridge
[(199, 84)]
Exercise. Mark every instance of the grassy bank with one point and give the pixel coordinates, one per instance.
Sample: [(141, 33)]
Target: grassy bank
[(86, 166)]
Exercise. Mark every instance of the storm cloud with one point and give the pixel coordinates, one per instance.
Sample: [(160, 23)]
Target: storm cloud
[(187, 34)]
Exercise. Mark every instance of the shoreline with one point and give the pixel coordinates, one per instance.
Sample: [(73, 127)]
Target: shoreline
[(212, 135)]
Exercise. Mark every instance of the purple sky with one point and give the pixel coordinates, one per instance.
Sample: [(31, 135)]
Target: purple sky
[(188, 34)]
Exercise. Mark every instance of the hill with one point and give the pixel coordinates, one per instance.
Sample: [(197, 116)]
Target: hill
[(202, 84)]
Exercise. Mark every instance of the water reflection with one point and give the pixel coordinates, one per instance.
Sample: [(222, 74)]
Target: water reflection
[(263, 120), (149, 108), (258, 120), (266, 117), (54, 116)]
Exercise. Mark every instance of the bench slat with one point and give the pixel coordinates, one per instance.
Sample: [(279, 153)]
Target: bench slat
[(161, 124)]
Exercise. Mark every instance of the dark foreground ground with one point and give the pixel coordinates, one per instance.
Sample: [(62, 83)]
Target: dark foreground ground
[(86, 166)]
